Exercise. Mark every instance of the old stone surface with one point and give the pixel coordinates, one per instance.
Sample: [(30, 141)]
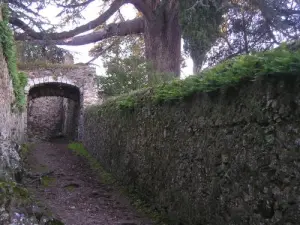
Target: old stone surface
[(50, 117), (225, 157), (74, 193), (70, 115), (48, 114), (11, 133), (11, 125), (81, 77), (45, 118)]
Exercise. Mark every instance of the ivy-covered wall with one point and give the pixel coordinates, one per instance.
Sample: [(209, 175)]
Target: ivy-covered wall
[(7, 43), (221, 148), (12, 125)]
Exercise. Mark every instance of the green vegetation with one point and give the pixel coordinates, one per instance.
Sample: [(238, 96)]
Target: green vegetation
[(79, 150), (45, 65), (25, 150), (14, 192), (279, 61), (200, 28), (8, 188), (28, 52), (19, 79), (47, 180), (135, 197), (126, 67), (143, 206), (129, 74)]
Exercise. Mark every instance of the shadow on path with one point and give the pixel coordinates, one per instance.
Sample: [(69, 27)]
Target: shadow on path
[(72, 192)]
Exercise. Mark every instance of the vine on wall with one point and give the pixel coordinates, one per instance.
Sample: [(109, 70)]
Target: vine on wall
[(19, 79)]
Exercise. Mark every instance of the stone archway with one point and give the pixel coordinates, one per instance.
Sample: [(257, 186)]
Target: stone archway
[(55, 107), (52, 77)]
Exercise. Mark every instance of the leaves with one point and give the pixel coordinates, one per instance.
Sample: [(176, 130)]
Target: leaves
[(19, 80), (279, 61)]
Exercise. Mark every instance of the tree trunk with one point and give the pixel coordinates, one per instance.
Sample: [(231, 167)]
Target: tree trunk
[(163, 42), (198, 63)]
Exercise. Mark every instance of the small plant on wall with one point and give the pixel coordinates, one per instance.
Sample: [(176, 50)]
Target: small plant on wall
[(19, 79)]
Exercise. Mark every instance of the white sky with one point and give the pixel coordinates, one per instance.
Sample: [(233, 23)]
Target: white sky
[(80, 53)]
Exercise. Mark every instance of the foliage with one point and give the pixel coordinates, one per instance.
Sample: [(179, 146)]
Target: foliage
[(213, 30), (15, 193), (28, 52), (45, 65), (123, 76), (25, 150), (200, 27), (117, 47), (279, 61), (128, 74), (126, 67), (79, 149), (12, 189), (19, 79), (47, 180), (252, 26)]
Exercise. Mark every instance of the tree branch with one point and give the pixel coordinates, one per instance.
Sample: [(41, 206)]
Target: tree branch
[(135, 26), (101, 52), (143, 8), (76, 5), (71, 33), (25, 8)]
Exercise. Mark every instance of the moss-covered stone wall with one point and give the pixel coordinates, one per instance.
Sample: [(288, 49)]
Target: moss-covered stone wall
[(7, 44), (226, 156)]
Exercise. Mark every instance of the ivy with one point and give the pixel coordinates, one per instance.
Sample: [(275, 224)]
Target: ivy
[(284, 60), (19, 79)]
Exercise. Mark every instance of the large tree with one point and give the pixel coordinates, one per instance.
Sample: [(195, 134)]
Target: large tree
[(160, 25)]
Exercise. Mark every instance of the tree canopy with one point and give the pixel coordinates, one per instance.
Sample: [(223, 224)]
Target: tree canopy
[(213, 30)]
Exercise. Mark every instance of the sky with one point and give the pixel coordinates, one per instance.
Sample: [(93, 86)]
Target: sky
[(80, 53)]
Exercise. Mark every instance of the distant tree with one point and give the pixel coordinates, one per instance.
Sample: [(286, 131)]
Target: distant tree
[(255, 25), (28, 53), (124, 75), (126, 68), (200, 28)]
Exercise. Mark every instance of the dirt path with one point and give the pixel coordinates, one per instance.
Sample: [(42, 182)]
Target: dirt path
[(72, 192)]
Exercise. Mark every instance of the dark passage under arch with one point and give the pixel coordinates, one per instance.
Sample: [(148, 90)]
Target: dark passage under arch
[(55, 89), (53, 110)]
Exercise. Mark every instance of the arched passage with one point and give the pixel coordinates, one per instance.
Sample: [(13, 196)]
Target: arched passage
[(54, 89), (54, 109)]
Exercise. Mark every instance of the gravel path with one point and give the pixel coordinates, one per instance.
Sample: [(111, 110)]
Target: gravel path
[(72, 192)]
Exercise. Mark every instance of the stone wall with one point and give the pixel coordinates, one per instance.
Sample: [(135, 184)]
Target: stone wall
[(11, 125), (230, 156), (50, 117), (75, 82), (45, 118), (70, 118), (79, 76)]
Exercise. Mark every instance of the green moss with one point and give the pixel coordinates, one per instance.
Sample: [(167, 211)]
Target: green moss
[(44, 65), (136, 199), (25, 150), (47, 181), (19, 79), (79, 150), (13, 189), (143, 206), (284, 60)]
